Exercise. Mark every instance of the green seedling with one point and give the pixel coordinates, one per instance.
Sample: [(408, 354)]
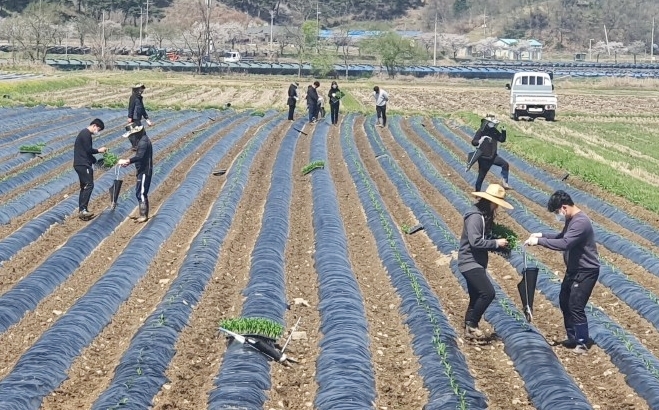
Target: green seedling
[(501, 231), (32, 149), (110, 159), (254, 326), (312, 166), (258, 113)]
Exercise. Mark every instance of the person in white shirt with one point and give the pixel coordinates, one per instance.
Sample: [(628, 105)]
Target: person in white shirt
[(381, 98)]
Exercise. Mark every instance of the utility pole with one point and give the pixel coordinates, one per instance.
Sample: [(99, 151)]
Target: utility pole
[(208, 30), (590, 49), (484, 23), (606, 37), (272, 20), (103, 35), (434, 52), (652, 42), (140, 27), (146, 23)]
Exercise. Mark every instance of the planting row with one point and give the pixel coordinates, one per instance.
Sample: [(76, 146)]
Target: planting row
[(531, 355), (639, 361), (46, 361)]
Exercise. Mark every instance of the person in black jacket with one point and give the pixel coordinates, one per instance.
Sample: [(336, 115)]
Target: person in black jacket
[(143, 160), (83, 159), (487, 138), (312, 101), (136, 112), (334, 100), (292, 99)]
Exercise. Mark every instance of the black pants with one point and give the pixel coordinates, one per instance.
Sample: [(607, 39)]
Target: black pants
[(381, 111), (575, 292), (334, 113), (142, 190), (291, 111), (484, 166), (481, 294), (86, 177)]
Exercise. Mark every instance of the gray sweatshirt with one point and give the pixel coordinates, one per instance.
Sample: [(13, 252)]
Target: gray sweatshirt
[(473, 245), (576, 241)]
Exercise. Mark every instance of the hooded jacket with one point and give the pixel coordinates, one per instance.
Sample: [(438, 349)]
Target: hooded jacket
[(472, 253), (292, 94), (312, 96), (488, 147), (136, 110), (143, 158)]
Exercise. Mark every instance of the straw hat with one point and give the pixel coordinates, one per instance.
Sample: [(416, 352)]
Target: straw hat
[(139, 85), (491, 118), (494, 193)]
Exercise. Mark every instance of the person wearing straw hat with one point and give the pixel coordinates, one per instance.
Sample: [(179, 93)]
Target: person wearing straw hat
[(473, 256), (487, 139), (577, 242), (136, 112)]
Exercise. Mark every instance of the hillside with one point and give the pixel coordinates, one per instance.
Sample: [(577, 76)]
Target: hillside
[(559, 24)]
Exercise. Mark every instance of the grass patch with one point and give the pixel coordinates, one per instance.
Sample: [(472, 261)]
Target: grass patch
[(604, 176), (351, 104), (17, 90)]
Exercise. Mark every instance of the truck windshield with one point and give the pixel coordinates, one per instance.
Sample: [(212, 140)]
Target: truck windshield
[(530, 80)]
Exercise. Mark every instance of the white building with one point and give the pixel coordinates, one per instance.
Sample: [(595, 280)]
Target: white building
[(513, 49)]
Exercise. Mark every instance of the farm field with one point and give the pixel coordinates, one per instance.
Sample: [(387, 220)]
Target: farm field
[(111, 314)]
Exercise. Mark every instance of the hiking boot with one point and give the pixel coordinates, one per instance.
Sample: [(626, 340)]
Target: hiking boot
[(581, 349), (142, 219), (473, 333), (505, 185), (85, 215)]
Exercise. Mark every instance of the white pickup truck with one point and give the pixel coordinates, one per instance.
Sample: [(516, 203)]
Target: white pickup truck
[(532, 95)]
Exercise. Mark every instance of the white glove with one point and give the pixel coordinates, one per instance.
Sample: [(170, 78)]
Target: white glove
[(483, 138), (333, 94), (532, 241), (536, 235), (149, 122)]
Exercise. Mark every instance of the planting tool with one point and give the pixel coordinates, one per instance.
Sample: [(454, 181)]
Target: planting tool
[(416, 228), (115, 188), (526, 287), (565, 177), (301, 132), (264, 348), (291, 335), (220, 172)]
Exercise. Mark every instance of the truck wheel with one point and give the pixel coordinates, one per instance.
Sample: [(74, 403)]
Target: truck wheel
[(550, 116), (516, 116)]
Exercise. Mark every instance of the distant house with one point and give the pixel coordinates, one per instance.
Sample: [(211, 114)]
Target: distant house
[(506, 49)]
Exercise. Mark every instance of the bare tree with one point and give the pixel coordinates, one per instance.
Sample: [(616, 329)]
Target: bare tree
[(38, 28), (636, 48), (160, 32), (485, 47), (82, 27), (453, 42), (343, 42)]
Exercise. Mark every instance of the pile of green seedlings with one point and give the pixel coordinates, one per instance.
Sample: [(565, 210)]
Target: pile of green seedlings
[(32, 149), (256, 326), (501, 231)]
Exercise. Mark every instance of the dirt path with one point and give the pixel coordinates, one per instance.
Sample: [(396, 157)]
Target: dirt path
[(295, 388), (199, 348), (597, 376), (397, 367)]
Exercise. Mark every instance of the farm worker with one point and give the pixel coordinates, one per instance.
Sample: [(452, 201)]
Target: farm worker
[(312, 101), (381, 98), (83, 159), (473, 257), (487, 138), (292, 99), (334, 100), (577, 242), (136, 112), (321, 107), (143, 160)]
